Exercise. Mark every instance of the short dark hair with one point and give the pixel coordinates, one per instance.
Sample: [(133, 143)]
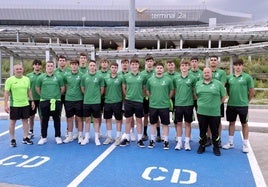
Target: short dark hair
[(214, 56), (82, 54), (159, 64), (114, 64), (134, 60), (238, 61), (184, 62), (61, 56), (124, 60), (74, 61), (194, 58), (37, 61), (149, 57)]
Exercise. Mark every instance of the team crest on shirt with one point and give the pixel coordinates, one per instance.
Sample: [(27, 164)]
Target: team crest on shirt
[(95, 79), (212, 86), (163, 83)]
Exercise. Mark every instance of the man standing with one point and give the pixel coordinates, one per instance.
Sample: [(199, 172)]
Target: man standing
[(74, 101), (133, 90), (184, 93), (18, 88), (160, 89), (33, 76), (92, 86), (240, 88), (210, 94), (113, 103), (50, 88)]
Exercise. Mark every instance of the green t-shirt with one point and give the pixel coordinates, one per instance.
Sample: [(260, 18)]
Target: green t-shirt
[(197, 74), (33, 79), (134, 86), (83, 69), (171, 75), (104, 73), (60, 72), (113, 89), (18, 88), (238, 88), (209, 97), (219, 75), (92, 84), (159, 88), (148, 74), (72, 82), (184, 88), (50, 86)]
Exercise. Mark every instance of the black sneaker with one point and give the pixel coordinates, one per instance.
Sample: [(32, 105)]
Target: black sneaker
[(216, 151), (151, 144), (158, 139), (30, 135), (140, 143), (27, 141), (166, 145), (144, 137), (220, 146), (13, 143), (201, 149), (208, 142), (124, 142)]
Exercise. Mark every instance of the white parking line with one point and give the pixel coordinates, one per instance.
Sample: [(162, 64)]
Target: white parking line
[(7, 132), (91, 167)]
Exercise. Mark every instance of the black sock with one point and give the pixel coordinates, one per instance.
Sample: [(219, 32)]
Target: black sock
[(158, 131), (145, 130)]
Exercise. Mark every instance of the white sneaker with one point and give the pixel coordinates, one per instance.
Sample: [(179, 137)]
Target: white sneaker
[(187, 146), (178, 146), (108, 140), (245, 148), (42, 141), (228, 146), (58, 140), (75, 136), (132, 137), (68, 139), (80, 139), (117, 141), (97, 141), (85, 141)]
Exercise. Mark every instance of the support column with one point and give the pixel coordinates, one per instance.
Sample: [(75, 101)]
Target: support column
[(249, 56), (47, 55), (231, 64), (209, 42), (1, 67), (18, 36), (100, 44), (219, 46), (11, 58), (92, 55), (131, 27), (158, 44)]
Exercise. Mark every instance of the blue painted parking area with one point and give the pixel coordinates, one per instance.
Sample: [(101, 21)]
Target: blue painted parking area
[(107, 165)]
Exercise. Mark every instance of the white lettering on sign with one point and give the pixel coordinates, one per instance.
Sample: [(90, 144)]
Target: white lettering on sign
[(27, 162), (169, 15), (175, 178)]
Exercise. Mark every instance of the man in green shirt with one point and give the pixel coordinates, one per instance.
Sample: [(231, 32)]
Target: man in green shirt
[(73, 100), (113, 103), (184, 93), (50, 87), (33, 76), (83, 63), (240, 88), (210, 94), (159, 88), (133, 90), (92, 86), (17, 87)]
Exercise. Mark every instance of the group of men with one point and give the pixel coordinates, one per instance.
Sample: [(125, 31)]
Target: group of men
[(143, 97)]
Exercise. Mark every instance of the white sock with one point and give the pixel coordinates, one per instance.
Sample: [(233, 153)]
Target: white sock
[(109, 133), (231, 139), (153, 137), (245, 142), (166, 138), (118, 134), (87, 135), (127, 137), (179, 139), (96, 135), (139, 136), (187, 139)]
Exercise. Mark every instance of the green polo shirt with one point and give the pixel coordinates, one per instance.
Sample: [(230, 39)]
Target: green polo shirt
[(33, 79), (92, 84), (198, 74), (171, 75), (209, 97), (60, 72), (238, 88), (159, 88), (134, 86), (50, 86), (113, 89), (18, 88), (219, 75), (148, 74), (184, 87), (72, 82), (83, 69)]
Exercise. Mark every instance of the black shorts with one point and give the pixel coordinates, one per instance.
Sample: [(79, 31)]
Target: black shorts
[(94, 109), (33, 111), (184, 112), (17, 113), (163, 113), (74, 108), (133, 107), (233, 111), (111, 109), (145, 105)]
